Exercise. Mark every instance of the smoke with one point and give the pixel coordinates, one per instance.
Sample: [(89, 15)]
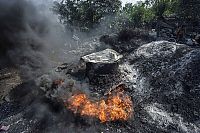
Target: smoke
[(28, 35), (33, 41)]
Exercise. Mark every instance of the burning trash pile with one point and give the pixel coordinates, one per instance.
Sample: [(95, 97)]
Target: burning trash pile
[(162, 79), (105, 105), (117, 106)]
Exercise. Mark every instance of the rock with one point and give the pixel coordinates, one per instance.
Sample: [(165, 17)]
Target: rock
[(103, 62), (107, 56), (102, 68)]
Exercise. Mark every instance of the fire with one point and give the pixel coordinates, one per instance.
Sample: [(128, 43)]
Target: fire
[(117, 106)]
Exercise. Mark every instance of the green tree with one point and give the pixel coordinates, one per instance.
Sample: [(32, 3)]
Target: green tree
[(139, 13), (84, 14), (162, 8)]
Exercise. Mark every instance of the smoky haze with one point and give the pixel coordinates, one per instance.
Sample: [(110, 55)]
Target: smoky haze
[(32, 40), (29, 33)]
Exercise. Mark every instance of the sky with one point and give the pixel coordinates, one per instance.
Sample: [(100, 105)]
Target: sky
[(128, 1)]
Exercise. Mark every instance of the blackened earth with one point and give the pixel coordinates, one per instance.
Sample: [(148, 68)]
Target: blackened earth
[(163, 81)]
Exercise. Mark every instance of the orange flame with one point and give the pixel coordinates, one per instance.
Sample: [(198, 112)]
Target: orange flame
[(117, 106)]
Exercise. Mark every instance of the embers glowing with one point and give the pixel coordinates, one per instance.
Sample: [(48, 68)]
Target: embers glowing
[(117, 106)]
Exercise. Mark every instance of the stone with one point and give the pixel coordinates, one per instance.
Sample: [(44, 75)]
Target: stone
[(100, 63), (102, 67)]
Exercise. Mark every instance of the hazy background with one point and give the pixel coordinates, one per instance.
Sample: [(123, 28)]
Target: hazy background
[(129, 1)]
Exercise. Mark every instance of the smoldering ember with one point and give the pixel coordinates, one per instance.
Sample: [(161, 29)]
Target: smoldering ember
[(91, 66)]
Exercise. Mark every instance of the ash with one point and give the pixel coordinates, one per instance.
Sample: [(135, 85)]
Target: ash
[(164, 90), (161, 77)]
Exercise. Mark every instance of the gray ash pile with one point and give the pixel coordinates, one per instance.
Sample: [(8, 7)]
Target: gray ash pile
[(167, 76), (163, 83), (162, 79)]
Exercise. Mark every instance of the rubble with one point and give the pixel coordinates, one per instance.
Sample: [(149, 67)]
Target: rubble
[(170, 77), (115, 106), (4, 128), (157, 49), (127, 40), (162, 79)]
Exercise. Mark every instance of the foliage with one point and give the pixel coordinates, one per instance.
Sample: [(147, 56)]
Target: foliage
[(138, 14), (85, 13)]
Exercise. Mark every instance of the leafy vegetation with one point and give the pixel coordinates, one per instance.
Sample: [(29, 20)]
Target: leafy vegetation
[(86, 14)]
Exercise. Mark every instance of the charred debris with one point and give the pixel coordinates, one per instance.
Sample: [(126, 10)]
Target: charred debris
[(159, 77), (133, 81)]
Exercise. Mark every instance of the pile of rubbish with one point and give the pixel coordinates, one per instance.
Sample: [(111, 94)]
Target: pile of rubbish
[(161, 78)]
